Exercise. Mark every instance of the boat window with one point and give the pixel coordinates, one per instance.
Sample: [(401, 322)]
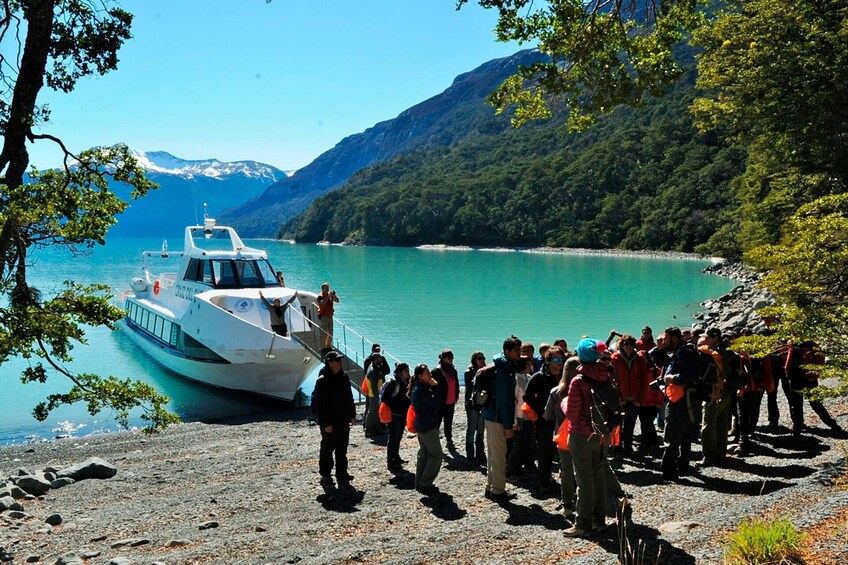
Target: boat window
[(201, 236), (199, 270), (248, 273), (191, 270), (243, 273), (267, 271), (206, 276), (224, 275)]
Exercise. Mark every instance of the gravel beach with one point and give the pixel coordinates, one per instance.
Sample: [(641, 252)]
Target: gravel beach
[(246, 491)]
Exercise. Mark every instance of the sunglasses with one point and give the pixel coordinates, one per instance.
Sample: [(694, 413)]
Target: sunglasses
[(479, 358), (557, 360)]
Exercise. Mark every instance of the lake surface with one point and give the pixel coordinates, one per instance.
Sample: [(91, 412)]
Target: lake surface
[(413, 302)]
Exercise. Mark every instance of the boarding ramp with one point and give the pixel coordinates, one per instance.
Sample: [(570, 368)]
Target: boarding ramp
[(354, 346)]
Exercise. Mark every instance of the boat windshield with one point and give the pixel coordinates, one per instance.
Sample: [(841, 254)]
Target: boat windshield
[(232, 273)]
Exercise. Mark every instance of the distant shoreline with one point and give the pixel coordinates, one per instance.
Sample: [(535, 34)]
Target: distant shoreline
[(640, 253)]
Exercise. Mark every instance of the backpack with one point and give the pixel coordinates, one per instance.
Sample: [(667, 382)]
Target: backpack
[(709, 377), (606, 410), (482, 387)]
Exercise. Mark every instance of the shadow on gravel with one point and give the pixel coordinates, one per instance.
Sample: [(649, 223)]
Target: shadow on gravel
[(456, 462), (643, 544), (729, 486), (343, 499), (532, 515), (801, 447), (403, 480), (782, 471), (443, 507)]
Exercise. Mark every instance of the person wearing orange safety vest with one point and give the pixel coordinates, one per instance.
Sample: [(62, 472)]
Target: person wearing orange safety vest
[(679, 376)]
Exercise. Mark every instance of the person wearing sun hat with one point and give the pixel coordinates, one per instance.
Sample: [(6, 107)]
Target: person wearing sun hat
[(587, 447), (332, 402)]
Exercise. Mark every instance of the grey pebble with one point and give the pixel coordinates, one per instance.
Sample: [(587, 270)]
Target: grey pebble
[(62, 482), (9, 503), (54, 519), (118, 561), (68, 559), (18, 515), (177, 543), (32, 558), (208, 525)]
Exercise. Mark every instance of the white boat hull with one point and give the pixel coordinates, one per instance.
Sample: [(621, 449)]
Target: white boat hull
[(279, 377)]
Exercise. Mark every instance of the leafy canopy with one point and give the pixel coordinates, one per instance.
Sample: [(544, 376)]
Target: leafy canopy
[(603, 53), (57, 43)]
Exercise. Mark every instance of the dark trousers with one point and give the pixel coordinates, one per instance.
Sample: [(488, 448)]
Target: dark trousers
[(749, 414), (447, 416), (474, 448), (334, 444), (395, 435), (678, 437), (647, 414), (545, 450), (796, 410), (773, 410), (628, 425), (521, 455)]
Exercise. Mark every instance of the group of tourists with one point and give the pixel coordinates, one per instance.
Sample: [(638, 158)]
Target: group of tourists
[(578, 408)]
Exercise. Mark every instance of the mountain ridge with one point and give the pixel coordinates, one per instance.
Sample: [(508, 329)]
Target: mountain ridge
[(439, 121)]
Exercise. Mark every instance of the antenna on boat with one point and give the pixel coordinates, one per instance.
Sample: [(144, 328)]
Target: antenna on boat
[(208, 223), (164, 248)]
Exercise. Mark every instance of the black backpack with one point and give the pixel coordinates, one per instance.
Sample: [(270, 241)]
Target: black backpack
[(482, 387), (606, 405)]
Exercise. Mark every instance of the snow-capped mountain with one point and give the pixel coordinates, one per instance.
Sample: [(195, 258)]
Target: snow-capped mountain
[(184, 187), (165, 163)]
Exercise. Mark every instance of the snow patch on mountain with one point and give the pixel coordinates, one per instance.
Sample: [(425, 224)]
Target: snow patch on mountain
[(165, 163)]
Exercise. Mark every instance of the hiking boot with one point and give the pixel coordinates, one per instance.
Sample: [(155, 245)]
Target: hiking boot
[(326, 480), (450, 446), (501, 496), (576, 532), (428, 490), (488, 494)]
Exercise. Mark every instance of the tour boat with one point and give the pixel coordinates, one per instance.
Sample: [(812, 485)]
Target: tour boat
[(207, 322)]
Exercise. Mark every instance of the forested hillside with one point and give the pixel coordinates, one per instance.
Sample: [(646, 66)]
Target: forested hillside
[(640, 178)]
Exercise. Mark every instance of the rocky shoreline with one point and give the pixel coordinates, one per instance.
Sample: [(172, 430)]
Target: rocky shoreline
[(735, 312), (246, 491)]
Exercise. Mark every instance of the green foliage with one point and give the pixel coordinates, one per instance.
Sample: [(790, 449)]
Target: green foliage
[(63, 41), (808, 270), (638, 179), (604, 53), (772, 74), (762, 542)]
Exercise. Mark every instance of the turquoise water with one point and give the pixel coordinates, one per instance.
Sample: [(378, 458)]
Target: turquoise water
[(413, 302)]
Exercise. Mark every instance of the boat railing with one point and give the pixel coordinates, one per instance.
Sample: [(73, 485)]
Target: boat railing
[(355, 347)]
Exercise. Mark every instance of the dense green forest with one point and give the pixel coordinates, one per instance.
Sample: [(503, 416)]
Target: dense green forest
[(639, 178)]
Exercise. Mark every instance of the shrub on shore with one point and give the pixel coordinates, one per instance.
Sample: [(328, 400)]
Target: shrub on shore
[(764, 542)]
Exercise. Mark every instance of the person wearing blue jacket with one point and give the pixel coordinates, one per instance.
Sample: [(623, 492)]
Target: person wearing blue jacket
[(426, 397), (499, 416)]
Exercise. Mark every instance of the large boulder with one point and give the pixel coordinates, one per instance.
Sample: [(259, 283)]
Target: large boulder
[(34, 484), (93, 468)]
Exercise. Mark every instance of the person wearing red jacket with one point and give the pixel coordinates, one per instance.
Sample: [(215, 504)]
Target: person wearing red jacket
[(646, 342), (588, 447), (632, 369)]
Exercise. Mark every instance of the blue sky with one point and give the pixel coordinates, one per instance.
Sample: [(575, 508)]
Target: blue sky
[(278, 83)]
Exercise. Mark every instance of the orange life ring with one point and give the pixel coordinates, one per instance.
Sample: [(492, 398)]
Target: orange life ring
[(156, 288)]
